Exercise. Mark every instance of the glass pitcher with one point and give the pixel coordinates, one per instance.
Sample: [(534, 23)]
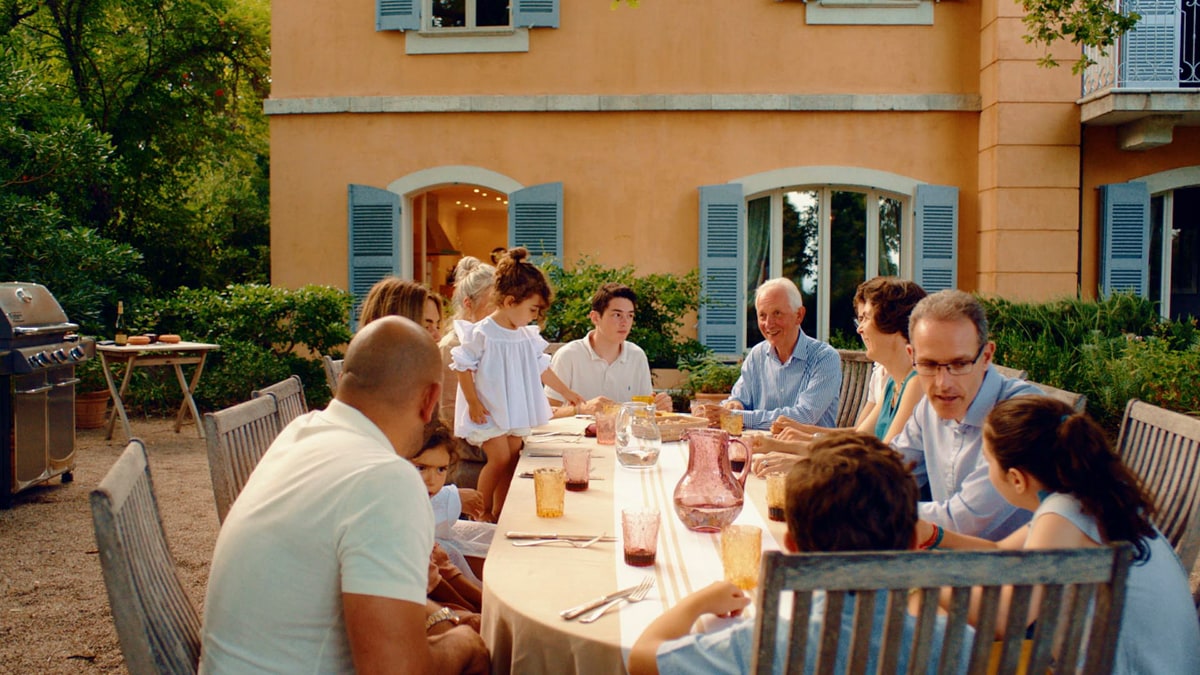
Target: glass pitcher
[(638, 438), (710, 495)]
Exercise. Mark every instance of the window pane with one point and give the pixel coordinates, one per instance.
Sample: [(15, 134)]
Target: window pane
[(1156, 228), (449, 13), (491, 12), (889, 237), (1185, 253), (758, 261), (847, 261), (801, 223)]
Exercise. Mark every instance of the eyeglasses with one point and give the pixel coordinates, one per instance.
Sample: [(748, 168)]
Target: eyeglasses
[(860, 320), (931, 368)]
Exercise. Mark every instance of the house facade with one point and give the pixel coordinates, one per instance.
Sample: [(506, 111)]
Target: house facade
[(828, 141)]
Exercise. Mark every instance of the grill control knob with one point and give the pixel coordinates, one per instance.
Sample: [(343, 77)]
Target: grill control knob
[(60, 355), (33, 362), (42, 359), (77, 353)]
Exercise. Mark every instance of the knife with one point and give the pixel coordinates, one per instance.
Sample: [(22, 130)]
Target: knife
[(573, 612), (564, 537), (529, 474)]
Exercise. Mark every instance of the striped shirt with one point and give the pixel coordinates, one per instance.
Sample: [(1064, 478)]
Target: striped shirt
[(805, 388)]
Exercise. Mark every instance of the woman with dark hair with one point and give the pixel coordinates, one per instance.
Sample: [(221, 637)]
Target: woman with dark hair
[(1045, 457)]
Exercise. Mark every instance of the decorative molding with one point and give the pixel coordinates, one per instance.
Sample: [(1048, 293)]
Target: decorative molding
[(476, 42), (827, 175), (1157, 183), (426, 179), (627, 103), (869, 12)]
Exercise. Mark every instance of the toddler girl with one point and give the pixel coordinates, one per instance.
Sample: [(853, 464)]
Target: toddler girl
[(501, 365), (464, 542), (1045, 457)]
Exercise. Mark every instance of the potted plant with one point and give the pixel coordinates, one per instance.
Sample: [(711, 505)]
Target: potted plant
[(709, 378), (91, 395)]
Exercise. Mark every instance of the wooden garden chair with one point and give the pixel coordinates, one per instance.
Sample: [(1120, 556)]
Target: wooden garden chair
[(1071, 580), (1078, 402), (237, 438), (1010, 372), (289, 399), (1163, 448), (333, 370), (856, 379), (157, 624)]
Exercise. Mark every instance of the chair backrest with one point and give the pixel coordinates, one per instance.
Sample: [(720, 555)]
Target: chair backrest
[(333, 370), (1010, 372), (289, 399), (1078, 402), (856, 378), (1070, 580), (156, 622), (237, 437), (1163, 448)]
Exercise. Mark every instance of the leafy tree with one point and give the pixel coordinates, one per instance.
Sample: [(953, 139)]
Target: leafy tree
[(50, 159), (1088, 23)]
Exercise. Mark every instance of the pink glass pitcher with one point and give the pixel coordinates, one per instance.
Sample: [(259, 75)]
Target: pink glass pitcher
[(710, 494)]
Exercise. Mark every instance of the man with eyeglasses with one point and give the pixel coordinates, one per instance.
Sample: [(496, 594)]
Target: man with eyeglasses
[(603, 366), (948, 343)]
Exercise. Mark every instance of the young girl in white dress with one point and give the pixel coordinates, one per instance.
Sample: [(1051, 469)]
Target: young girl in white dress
[(502, 364), (1045, 457)]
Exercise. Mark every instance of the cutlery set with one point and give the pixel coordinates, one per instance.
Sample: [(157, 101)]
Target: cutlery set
[(601, 605)]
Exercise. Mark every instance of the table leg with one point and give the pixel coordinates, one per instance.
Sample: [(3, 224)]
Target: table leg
[(117, 394), (189, 403)]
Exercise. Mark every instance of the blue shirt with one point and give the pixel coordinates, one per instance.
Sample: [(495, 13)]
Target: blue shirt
[(949, 456), (730, 650), (805, 388)]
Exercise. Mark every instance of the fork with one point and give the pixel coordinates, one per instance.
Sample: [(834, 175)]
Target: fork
[(576, 544), (637, 596)]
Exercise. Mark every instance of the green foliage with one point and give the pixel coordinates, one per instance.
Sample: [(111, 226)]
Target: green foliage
[(1088, 23), (266, 333), (49, 156), (663, 302), (709, 375), (1110, 350)]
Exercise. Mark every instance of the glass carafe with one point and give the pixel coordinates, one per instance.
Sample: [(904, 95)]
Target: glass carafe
[(638, 438), (710, 495)]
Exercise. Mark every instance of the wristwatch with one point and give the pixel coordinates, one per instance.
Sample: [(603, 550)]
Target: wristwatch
[(443, 614)]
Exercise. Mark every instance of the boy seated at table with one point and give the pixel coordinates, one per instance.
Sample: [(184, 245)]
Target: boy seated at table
[(853, 493)]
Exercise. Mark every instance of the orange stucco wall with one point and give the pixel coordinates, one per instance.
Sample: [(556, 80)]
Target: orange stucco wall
[(1021, 161)]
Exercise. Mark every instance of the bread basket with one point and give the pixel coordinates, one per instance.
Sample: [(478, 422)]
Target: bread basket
[(671, 426)]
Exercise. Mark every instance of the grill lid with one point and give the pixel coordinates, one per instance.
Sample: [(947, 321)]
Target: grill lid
[(29, 309)]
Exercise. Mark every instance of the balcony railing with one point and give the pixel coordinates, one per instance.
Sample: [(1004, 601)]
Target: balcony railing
[(1161, 52)]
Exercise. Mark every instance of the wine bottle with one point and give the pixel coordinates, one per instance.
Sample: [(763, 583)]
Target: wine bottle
[(120, 336)]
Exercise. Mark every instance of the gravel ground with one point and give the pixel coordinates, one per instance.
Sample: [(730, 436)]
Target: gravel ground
[(54, 615)]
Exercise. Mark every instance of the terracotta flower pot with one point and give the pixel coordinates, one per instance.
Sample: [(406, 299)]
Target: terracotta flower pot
[(91, 409)]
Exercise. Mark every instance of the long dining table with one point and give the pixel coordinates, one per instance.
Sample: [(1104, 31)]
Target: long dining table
[(525, 588)]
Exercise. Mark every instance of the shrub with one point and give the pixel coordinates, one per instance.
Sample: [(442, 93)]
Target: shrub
[(709, 375), (1110, 350), (266, 334), (663, 302)]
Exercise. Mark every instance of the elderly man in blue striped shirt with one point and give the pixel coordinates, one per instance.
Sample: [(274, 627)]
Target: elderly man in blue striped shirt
[(790, 373)]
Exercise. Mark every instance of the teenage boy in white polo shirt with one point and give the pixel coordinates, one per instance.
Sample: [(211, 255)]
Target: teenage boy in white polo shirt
[(604, 367)]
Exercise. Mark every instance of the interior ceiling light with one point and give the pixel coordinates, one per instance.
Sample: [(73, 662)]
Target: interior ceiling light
[(482, 194), (477, 189)]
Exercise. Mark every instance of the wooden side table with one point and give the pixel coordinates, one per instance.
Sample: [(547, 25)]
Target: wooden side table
[(158, 354)]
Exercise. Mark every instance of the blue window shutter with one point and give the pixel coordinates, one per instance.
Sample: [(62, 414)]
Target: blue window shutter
[(1125, 238), (374, 241), (535, 13), (397, 14), (935, 237), (1150, 52), (722, 271), (535, 216)]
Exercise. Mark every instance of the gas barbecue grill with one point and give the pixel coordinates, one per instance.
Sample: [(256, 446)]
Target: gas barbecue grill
[(38, 353)]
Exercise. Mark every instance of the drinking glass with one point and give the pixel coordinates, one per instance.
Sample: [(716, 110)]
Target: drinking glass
[(549, 491), (741, 554), (639, 530)]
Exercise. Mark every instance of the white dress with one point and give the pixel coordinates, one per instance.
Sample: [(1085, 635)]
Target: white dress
[(459, 538), (508, 367)]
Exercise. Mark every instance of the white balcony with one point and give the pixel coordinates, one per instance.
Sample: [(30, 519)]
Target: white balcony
[(1149, 82)]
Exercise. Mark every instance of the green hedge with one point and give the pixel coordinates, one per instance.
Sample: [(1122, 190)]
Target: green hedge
[(663, 302), (1110, 350), (266, 334)]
